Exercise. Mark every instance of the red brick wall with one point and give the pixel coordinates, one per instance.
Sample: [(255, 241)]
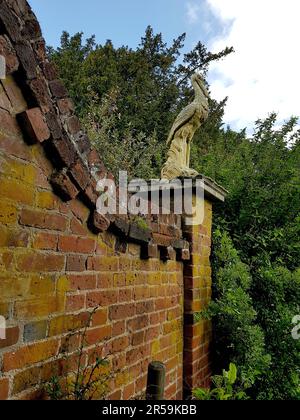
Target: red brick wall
[(197, 292), (54, 270)]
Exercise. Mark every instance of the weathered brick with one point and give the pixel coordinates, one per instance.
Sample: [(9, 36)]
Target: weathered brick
[(39, 90), (103, 264), (76, 244), (15, 96), (58, 90), (50, 71), (26, 379), (4, 100), (18, 170), (99, 317), (119, 344), (36, 262), (119, 279), (12, 337), (128, 391), (79, 210), (139, 234), (141, 293), (63, 186), (67, 323), (144, 307), (46, 200), (77, 227), (79, 173), (138, 323), (31, 29), (138, 353), (9, 124), (115, 396), (34, 125), (96, 335), (43, 220), (29, 355), (101, 298), (35, 331), (13, 146), (99, 223), (122, 311), (8, 213), (138, 338), (54, 124), (4, 388), (39, 307), (26, 58), (7, 51), (140, 384), (66, 106), (83, 282), (39, 47), (162, 240), (17, 191), (45, 241), (73, 125), (105, 281), (76, 263), (125, 295), (75, 302), (12, 286), (62, 151), (70, 343), (149, 251)]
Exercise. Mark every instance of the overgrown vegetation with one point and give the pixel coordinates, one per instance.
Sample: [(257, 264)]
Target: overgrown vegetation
[(224, 388), (237, 335), (127, 100)]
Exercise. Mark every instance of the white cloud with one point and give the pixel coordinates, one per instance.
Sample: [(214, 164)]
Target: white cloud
[(263, 75), (192, 12)]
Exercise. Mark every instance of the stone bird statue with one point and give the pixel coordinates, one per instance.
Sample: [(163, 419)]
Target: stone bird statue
[(182, 133)]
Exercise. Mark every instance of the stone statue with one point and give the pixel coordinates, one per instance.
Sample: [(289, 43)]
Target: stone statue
[(182, 133)]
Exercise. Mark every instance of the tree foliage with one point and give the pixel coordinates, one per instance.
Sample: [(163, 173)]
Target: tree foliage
[(152, 85)]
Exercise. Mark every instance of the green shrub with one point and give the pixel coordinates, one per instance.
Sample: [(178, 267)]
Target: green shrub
[(237, 337), (276, 293), (224, 387)]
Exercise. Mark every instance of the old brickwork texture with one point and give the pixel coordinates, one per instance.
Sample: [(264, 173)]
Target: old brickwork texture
[(59, 259)]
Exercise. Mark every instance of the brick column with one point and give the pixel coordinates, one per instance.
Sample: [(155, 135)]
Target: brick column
[(197, 366)]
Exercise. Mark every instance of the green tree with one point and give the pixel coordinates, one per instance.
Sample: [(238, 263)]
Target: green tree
[(152, 85)]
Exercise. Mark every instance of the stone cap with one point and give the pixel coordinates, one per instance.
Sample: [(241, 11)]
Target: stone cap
[(212, 191)]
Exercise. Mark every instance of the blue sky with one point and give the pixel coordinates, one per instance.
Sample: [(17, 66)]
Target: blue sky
[(122, 21), (261, 77)]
